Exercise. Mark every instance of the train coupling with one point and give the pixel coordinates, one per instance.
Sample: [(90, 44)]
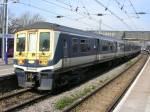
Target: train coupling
[(25, 79)]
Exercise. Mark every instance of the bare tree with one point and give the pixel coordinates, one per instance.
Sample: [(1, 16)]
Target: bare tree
[(26, 19), (10, 18), (21, 21)]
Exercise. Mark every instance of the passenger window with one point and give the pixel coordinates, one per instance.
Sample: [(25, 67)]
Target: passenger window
[(122, 47), (105, 46), (110, 47), (44, 44), (84, 45), (74, 45), (65, 48)]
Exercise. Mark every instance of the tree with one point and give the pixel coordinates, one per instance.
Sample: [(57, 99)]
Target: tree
[(25, 19), (1, 17), (21, 21)]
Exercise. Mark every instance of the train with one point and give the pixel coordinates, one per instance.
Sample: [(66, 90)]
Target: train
[(10, 45), (44, 52)]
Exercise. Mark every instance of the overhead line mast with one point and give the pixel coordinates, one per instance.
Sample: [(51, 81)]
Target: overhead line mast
[(5, 31)]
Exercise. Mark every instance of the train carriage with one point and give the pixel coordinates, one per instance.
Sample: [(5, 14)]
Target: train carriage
[(44, 50)]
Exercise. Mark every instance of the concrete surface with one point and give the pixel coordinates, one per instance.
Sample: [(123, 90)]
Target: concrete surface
[(10, 61), (6, 69), (137, 98)]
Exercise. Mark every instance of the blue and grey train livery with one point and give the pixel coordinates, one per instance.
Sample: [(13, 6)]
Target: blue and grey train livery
[(43, 51)]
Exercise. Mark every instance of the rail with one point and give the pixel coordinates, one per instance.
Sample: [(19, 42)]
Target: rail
[(80, 101)]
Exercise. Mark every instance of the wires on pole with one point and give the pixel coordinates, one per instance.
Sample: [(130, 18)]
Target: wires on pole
[(123, 9), (57, 15), (77, 12), (115, 15), (134, 8)]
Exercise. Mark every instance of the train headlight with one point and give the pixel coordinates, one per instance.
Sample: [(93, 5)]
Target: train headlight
[(44, 62), (21, 62)]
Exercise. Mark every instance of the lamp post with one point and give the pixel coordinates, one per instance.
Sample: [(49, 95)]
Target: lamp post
[(5, 32)]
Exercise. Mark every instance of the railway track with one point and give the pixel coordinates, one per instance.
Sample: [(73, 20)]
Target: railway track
[(106, 97), (20, 98), (8, 83)]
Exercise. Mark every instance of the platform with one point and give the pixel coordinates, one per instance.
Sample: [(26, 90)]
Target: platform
[(137, 98), (10, 61), (6, 69)]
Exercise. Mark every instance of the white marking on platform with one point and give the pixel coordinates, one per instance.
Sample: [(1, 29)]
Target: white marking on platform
[(6, 69), (120, 104), (147, 109)]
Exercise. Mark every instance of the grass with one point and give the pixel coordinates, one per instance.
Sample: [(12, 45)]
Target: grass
[(68, 100), (60, 104), (130, 63)]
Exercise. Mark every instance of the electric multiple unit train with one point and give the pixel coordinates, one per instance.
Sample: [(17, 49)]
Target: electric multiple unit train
[(44, 52)]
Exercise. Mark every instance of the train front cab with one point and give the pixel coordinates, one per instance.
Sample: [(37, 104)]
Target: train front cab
[(33, 53)]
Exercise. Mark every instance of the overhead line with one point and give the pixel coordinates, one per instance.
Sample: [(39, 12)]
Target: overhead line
[(101, 4), (77, 13), (122, 9), (64, 3), (133, 8), (50, 12), (85, 9)]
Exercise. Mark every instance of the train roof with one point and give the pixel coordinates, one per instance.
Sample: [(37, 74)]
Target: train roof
[(56, 27)]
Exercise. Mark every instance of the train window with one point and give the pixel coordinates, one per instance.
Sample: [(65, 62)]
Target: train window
[(84, 45), (105, 46), (32, 42), (111, 47), (65, 48), (44, 44), (127, 47), (122, 47), (20, 42), (74, 45)]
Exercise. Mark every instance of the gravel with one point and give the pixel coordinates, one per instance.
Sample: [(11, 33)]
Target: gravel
[(104, 98)]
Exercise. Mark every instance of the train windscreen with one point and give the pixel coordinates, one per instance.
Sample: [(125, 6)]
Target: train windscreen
[(20, 42), (32, 42), (44, 44)]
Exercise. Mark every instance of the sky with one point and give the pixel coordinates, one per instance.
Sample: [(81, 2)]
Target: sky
[(82, 14)]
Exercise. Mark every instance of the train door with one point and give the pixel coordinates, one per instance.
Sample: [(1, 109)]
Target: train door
[(32, 49), (66, 60), (97, 49)]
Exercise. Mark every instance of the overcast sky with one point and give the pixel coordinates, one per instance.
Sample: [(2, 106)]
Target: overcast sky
[(81, 14)]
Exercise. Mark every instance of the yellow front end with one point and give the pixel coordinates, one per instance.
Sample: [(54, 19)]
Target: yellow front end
[(32, 50)]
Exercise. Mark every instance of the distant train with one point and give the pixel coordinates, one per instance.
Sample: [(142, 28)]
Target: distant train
[(45, 52), (10, 45)]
